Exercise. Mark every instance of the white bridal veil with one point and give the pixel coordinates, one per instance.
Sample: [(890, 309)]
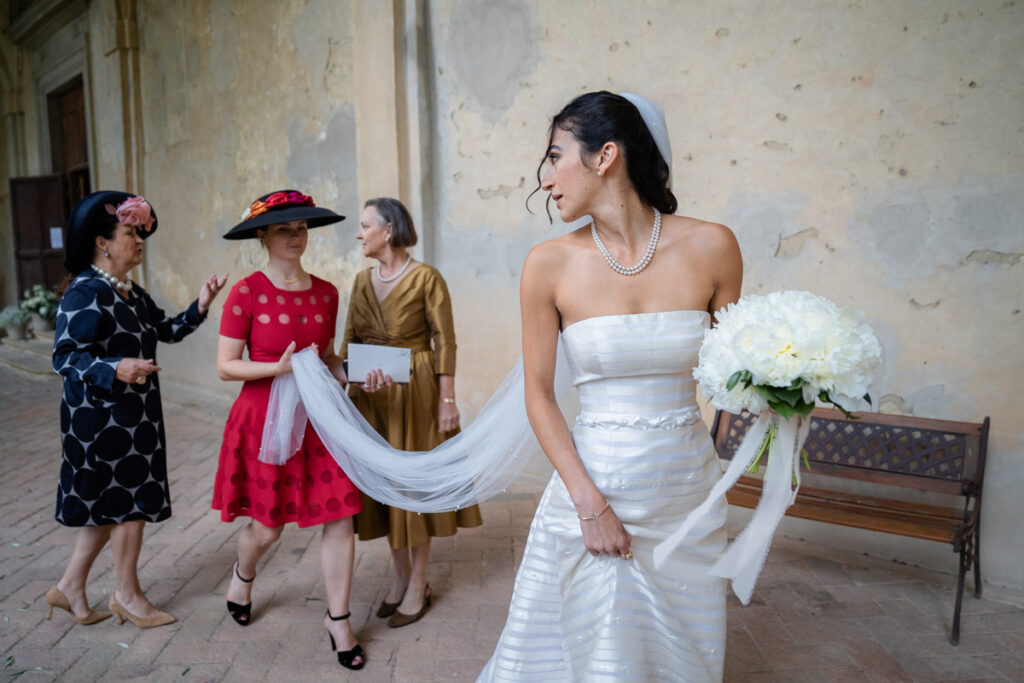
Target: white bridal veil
[(472, 466)]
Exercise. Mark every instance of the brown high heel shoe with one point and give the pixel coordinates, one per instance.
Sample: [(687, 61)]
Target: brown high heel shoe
[(161, 618), (55, 598), (386, 608), (400, 619)]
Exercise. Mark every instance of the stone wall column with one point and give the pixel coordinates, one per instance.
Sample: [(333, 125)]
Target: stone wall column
[(17, 154), (127, 36), (392, 97)]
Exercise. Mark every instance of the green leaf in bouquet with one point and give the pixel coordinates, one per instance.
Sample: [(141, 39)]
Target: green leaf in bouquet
[(824, 396), (737, 377), (791, 396), (785, 410)]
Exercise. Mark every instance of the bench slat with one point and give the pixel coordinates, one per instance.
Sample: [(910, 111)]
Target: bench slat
[(928, 522)]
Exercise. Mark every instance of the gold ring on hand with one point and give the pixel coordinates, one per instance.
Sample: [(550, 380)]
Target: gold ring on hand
[(628, 555), (140, 380)]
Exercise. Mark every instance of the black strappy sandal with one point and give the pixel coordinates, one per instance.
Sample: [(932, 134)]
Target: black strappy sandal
[(241, 613), (345, 658)]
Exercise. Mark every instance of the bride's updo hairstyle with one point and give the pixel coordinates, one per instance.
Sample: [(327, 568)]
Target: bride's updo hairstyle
[(599, 117)]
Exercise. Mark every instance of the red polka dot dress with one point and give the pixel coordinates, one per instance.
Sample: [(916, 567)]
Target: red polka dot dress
[(310, 488)]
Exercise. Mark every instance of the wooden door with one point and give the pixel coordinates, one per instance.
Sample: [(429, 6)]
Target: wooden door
[(69, 143), (39, 216)]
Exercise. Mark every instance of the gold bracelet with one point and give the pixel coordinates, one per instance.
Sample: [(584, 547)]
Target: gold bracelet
[(591, 518), (447, 400)]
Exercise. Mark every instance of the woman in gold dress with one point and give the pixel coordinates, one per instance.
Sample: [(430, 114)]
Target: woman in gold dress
[(402, 302)]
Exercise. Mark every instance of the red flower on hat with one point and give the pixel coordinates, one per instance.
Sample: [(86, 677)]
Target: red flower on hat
[(288, 199)]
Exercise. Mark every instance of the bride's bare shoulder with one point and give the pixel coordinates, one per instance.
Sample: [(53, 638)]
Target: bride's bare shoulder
[(700, 235), (555, 251)]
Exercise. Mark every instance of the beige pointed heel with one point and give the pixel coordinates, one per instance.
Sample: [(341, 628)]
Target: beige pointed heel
[(161, 618), (55, 598)]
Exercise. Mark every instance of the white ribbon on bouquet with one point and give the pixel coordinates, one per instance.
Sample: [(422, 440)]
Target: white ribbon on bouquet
[(741, 563)]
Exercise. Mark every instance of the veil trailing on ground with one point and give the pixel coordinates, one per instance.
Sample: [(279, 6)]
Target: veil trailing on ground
[(472, 466)]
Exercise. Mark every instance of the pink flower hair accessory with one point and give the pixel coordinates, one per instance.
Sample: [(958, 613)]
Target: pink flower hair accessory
[(137, 212)]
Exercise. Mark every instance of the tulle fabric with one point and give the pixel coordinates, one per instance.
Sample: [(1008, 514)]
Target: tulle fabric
[(471, 467)]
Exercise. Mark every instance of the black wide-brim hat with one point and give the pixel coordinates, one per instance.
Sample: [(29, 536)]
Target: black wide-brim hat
[(90, 214), (281, 207)]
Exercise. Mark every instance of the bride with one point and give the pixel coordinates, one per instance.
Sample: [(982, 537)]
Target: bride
[(631, 294)]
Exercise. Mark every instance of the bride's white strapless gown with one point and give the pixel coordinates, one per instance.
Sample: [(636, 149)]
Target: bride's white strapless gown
[(575, 617)]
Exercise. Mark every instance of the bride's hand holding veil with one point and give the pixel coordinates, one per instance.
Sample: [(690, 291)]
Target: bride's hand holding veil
[(603, 533)]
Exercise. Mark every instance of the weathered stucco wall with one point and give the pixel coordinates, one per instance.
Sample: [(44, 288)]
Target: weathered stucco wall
[(238, 103), (870, 152)]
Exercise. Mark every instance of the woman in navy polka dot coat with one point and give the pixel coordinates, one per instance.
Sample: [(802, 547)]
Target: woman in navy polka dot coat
[(113, 476)]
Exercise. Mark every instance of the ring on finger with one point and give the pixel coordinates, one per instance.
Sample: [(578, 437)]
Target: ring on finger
[(628, 555), (140, 380)]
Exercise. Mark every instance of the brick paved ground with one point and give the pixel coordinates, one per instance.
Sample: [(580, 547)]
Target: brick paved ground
[(816, 615)]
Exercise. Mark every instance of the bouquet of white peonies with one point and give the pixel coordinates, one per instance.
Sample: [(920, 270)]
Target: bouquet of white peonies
[(783, 352)]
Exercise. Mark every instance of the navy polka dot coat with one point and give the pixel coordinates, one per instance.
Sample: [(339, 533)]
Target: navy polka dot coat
[(114, 466)]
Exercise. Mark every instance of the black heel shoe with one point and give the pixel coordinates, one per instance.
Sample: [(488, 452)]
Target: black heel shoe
[(345, 658), (240, 613)]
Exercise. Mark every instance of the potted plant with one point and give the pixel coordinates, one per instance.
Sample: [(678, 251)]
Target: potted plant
[(41, 303), (13, 319)]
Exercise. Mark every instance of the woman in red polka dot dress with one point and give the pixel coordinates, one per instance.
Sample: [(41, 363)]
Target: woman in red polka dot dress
[(275, 312)]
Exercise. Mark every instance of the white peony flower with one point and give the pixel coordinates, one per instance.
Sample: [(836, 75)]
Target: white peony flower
[(786, 338)]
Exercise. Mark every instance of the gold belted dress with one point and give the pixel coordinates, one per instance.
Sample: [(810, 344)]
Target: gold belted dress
[(415, 314)]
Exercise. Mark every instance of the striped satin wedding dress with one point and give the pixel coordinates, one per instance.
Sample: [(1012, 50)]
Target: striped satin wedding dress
[(575, 617)]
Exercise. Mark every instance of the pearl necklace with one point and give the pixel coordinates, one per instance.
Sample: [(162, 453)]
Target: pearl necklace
[(114, 282), (397, 275), (648, 255)]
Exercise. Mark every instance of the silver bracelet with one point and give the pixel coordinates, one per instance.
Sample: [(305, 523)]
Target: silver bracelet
[(591, 518)]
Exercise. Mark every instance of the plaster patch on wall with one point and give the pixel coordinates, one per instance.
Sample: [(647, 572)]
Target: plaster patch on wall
[(491, 47), (325, 154), (167, 106), (223, 46), (170, 285), (935, 400), (794, 244), (501, 190), (912, 232), (324, 58), (938, 390), (988, 256), (892, 404), (758, 220)]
